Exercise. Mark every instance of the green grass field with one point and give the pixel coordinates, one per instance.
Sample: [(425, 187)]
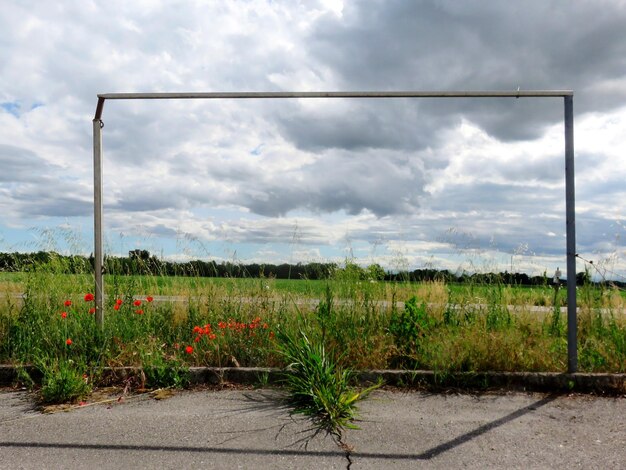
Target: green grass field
[(315, 289)]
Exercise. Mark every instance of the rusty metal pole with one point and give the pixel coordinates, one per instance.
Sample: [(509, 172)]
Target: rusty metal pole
[(97, 217), (570, 222)]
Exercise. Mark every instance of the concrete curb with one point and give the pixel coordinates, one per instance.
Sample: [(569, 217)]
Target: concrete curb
[(609, 384), (599, 383)]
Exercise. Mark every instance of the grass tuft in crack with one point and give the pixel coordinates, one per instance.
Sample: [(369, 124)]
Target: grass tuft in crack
[(62, 383), (318, 387)]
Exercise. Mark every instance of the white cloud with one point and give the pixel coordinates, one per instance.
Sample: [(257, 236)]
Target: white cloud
[(358, 176)]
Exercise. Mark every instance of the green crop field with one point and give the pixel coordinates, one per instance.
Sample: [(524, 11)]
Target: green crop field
[(591, 296)]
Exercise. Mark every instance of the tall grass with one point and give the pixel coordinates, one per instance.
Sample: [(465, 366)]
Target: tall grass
[(319, 387), (441, 327)]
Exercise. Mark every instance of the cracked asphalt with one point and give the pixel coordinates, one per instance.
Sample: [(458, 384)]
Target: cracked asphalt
[(253, 429)]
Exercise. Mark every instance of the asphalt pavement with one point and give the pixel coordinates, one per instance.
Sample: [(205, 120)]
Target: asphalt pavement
[(254, 429)]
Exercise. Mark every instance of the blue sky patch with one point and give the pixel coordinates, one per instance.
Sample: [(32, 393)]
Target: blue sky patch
[(11, 107)]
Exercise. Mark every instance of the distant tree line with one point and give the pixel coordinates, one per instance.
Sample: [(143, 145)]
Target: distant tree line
[(141, 262)]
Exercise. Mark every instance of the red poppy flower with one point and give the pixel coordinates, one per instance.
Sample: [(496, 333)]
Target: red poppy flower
[(63, 314), (68, 341), (196, 339), (116, 307), (67, 303), (92, 310), (118, 302), (149, 299), (137, 303), (139, 311), (89, 297), (189, 349)]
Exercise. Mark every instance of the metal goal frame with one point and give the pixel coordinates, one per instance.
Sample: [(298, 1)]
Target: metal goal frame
[(570, 222)]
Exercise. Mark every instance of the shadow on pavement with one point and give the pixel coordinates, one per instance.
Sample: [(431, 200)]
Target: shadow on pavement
[(446, 446), (428, 454), (147, 448)]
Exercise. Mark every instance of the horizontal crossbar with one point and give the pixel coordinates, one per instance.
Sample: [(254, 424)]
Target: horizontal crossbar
[(329, 94)]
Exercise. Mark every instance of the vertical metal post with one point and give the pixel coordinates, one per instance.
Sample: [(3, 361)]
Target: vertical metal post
[(570, 221), (97, 218)]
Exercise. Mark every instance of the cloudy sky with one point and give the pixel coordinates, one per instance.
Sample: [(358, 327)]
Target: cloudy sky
[(458, 183)]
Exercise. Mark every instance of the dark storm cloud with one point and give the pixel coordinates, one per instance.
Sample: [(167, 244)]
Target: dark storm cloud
[(524, 169), (51, 197), (495, 197), (21, 165), (382, 184), (361, 124), (37, 187), (550, 169), (431, 45), (474, 45)]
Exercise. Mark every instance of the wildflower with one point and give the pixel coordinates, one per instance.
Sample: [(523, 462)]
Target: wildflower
[(137, 303), (118, 302), (67, 303), (196, 339), (149, 299), (89, 297), (92, 310), (222, 325), (189, 349), (139, 311), (116, 307), (68, 341), (272, 334), (197, 329), (63, 314), (212, 336)]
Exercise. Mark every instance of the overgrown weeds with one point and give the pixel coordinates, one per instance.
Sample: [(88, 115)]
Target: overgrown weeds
[(63, 382), (231, 322), (318, 387)]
